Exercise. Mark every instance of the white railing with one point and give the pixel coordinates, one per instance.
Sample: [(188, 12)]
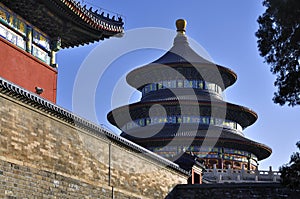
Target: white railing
[(243, 175)]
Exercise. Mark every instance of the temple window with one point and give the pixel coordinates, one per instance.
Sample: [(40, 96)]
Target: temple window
[(169, 84), (180, 83), (40, 54), (159, 85), (200, 84), (173, 84), (25, 36), (152, 87), (237, 164), (177, 119)]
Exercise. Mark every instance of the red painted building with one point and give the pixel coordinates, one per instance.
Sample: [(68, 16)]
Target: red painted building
[(31, 32)]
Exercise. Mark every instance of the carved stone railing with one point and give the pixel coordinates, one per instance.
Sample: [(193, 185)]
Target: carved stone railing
[(243, 175)]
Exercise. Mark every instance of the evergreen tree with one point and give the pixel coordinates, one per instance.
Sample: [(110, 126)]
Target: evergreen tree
[(279, 43), (290, 173)]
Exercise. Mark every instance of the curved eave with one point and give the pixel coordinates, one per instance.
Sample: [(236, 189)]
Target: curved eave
[(242, 115), (226, 139), (156, 72), (74, 24), (260, 150)]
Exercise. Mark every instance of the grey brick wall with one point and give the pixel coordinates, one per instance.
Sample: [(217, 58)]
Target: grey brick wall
[(42, 156), (233, 191)]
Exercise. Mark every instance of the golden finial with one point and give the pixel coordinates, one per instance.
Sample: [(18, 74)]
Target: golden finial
[(180, 25)]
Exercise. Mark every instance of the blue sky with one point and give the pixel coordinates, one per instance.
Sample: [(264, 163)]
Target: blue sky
[(225, 29)]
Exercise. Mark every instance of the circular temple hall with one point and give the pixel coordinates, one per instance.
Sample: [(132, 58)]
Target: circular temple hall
[(182, 110)]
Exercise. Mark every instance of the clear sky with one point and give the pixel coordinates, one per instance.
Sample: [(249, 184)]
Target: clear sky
[(225, 29)]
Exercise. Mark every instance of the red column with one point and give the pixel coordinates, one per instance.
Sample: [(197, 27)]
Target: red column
[(193, 176)]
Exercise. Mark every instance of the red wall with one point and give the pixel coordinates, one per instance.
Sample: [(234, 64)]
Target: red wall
[(25, 70)]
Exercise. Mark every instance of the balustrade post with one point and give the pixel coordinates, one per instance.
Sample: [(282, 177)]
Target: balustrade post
[(243, 171), (219, 178), (215, 169), (256, 171), (270, 170), (270, 173)]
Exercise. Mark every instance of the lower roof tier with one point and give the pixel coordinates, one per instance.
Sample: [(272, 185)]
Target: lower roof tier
[(216, 109), (221, 157), (213, 137)]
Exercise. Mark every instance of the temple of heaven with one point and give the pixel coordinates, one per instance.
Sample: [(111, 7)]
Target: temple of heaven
[(182, 110)]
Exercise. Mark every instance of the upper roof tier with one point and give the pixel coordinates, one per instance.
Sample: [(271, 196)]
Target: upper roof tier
[(180, 57), (181, 52), (66, 19)]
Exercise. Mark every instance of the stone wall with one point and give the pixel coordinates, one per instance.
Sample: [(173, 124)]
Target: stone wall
[(19, 181), (233, 190), (43, 154)]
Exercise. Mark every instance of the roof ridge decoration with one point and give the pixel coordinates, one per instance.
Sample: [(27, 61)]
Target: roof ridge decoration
[(181, 52), (93, 18), (24, 96)]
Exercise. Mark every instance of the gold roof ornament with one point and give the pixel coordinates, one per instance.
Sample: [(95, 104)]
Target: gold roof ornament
[(181, 25)]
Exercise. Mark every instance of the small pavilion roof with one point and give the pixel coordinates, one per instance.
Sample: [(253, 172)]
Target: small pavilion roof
[(67, 19)]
